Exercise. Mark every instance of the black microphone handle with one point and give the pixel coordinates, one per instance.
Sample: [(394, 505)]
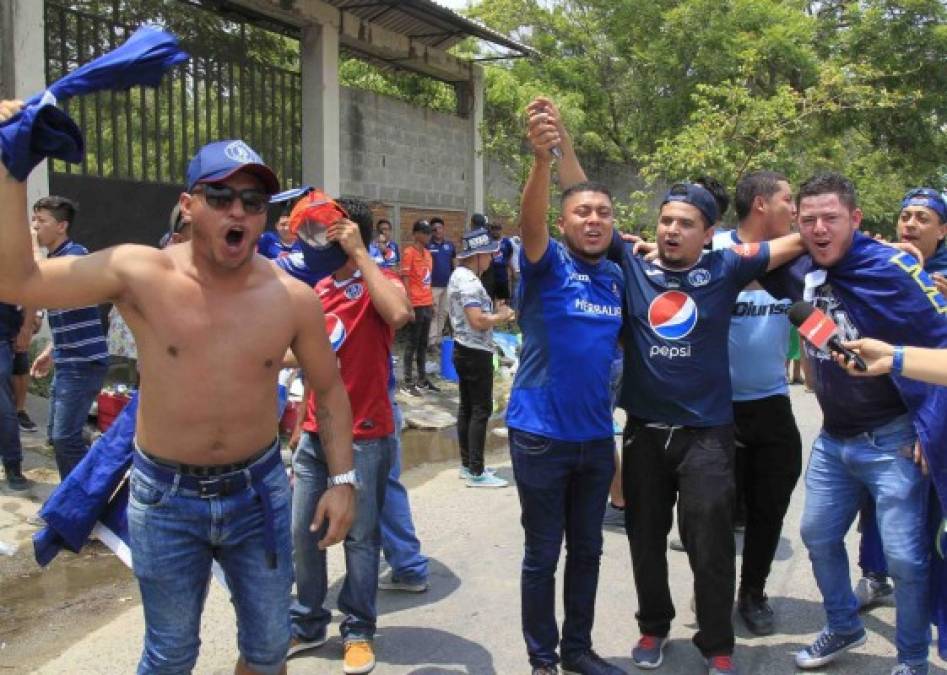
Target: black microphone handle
[(836, 346)]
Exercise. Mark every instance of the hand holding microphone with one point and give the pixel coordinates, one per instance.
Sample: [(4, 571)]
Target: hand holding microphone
[(822, 333), (544, 127)]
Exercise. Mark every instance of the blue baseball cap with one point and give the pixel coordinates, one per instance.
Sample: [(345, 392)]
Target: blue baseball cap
[(928, 197), (220, 160), (697, 196)]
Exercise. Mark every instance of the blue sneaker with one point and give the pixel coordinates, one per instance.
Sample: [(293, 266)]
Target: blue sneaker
[(486, 480), (464, 472), (649, 652), (827, 647), (908, 669)]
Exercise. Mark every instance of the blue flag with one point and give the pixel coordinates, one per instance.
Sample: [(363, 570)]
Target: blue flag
[(42, 130)]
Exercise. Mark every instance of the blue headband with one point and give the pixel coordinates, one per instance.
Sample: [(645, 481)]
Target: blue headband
[(929, 198), (697, 196)]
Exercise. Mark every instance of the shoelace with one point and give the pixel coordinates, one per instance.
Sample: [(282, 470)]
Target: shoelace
[(825, 637)]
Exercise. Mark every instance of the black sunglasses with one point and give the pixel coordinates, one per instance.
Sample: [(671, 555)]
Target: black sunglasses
[(221, 197)]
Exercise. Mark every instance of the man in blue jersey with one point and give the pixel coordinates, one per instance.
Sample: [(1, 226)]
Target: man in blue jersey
[(867, 444), (78, 352), (559, 417), (678, 442), (768, 445)]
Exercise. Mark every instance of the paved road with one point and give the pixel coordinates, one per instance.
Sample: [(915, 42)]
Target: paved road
[(468, 622)]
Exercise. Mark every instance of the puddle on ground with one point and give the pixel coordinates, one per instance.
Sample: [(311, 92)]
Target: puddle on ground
[(39, 610), (421, 446)]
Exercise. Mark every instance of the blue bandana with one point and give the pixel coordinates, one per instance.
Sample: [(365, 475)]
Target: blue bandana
[(929, 198)]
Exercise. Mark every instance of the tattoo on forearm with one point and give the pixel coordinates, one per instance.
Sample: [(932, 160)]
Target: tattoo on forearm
[(324, 420)]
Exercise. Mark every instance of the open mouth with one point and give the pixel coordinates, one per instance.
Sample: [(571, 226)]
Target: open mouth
[(235, 237)]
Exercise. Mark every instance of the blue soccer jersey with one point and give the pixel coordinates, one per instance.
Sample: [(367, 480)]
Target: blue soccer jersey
[(677, 369), (570, 314)]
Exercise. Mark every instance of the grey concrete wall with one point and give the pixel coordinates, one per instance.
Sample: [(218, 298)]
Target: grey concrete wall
[(402, 155)]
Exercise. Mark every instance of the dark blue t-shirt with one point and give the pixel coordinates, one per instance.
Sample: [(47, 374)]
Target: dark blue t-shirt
[(500, 261), (442, 256), (570, 314), (11, 319), (677, 324), (850, 405)]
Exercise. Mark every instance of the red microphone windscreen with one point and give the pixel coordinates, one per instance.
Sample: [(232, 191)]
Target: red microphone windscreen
[(817, 329)]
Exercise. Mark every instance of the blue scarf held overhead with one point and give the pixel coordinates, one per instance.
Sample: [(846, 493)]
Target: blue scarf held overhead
[(42, 130)]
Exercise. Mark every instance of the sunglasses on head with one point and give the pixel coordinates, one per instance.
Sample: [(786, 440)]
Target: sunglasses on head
[(220, 197)]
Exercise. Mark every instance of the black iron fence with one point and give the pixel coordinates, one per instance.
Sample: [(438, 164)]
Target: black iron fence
[(150, 134)]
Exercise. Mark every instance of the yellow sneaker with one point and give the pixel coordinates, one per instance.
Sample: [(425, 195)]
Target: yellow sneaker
[(359, 657)]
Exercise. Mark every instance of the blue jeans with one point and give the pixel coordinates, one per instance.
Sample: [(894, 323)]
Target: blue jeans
[(175, 535), (562, 487), (839, 474), (362, 544), (73, 390), (399, 543), (10, 449)]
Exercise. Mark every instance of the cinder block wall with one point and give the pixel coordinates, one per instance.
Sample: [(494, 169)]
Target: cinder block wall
[(410, 162)]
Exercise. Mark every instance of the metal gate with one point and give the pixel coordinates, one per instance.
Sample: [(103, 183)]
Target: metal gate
[(138, 143)]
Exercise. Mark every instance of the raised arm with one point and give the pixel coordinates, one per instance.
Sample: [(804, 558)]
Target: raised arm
[(388, 297), (784, 250), (71, 281), (334, 414), (543, 136), (570, 170)]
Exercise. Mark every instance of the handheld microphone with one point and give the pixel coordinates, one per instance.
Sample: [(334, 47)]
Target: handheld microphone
[(821, 332)]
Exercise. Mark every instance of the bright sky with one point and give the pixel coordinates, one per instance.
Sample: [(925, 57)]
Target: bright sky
[(453, 4)]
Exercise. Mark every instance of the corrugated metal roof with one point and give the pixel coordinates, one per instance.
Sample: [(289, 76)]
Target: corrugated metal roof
[(427, 22)]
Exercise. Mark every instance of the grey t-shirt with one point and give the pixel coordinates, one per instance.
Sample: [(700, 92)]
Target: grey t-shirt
[(465, 290)]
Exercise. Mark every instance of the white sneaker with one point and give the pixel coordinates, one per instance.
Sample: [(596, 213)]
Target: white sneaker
[(464, 472), (486, 480)]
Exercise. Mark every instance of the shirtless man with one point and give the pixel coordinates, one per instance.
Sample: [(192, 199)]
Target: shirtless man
[(212, 321)]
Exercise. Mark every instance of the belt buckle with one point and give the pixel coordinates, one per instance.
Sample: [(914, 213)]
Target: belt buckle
[(211, 487)]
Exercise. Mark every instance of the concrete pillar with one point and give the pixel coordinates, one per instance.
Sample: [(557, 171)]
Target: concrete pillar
[(24, 68), (476, 198), (321, 152)]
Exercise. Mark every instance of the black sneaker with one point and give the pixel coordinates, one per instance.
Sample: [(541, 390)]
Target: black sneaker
[(589, 663), (677, 545), (15, 478), (758, 616), (26, 424), (428, 386)]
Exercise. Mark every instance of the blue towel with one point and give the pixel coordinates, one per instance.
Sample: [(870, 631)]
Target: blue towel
[(42, 130)]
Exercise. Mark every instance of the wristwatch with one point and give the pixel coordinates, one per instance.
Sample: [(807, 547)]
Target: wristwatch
[(347, 478)]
